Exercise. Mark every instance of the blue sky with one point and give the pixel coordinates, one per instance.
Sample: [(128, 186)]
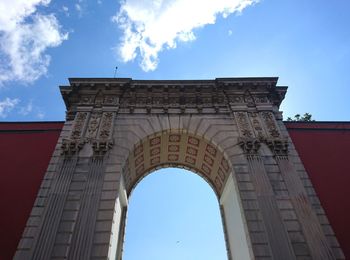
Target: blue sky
[(174, 214), (305, 43), (42, 43)]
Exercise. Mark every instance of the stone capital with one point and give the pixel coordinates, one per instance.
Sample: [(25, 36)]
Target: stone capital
[(279, 147), (250, 146)]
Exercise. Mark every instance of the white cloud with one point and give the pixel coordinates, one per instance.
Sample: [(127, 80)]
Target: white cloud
[(7, 105), (149, 26), (40, 114), (16, 106), (26, 109), (25, 34), (65, 9), (78, 7), (31, 110)]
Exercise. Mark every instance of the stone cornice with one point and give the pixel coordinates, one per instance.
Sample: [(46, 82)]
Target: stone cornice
[(172, 96)]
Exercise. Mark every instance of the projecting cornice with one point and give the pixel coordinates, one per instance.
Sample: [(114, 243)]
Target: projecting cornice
[(221, 95)]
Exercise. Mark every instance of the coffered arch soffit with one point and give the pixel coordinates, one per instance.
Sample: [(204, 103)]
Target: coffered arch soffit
[(180, 150)]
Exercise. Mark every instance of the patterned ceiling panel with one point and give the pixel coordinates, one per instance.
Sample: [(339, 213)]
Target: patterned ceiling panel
[(173, 149)]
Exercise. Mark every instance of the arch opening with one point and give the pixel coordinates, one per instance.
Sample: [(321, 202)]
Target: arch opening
[(180, 219), (180, 149)]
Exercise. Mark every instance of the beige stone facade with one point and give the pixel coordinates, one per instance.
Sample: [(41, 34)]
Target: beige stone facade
[(229, 131)]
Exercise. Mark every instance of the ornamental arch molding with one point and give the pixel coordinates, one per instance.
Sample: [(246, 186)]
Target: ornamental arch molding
[(227, 130)]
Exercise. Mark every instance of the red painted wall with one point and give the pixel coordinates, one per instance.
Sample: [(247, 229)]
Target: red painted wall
[(324, 148), (26, 148), (25, 152)]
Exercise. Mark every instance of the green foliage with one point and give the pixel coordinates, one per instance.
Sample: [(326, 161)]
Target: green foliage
[(307, 117)]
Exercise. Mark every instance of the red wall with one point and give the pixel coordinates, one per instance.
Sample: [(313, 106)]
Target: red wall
[(25, 151), (26, 148), (324, 148)]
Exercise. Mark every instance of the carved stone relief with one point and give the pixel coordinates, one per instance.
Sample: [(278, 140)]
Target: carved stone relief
[(98, 133), (270, 124), (75, 143), (279, 147), (243, 124), (256, 125), (250, 146), (94, 123)]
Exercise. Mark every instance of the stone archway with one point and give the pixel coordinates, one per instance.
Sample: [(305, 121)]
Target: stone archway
[(229, 131), (178, 148)]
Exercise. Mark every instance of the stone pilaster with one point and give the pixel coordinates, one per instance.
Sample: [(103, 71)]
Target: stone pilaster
[(278, 240)]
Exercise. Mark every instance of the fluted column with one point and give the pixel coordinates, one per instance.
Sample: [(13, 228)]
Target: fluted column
[(279, 242)]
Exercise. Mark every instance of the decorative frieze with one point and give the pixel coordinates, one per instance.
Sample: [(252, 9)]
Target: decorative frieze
[(75, 142), (243, 125), (256, 125), (79, 123), (253, 132), (106, 126), (94, 123), (98, 133), (249, 99), (270, 123), (202, 96)]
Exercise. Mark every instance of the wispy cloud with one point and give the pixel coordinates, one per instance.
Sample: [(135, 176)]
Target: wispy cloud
[(26, 109), (40, 114), (151, 26), (7, 105), (30, 109), (13, 106), (78, 8), (25, 34), (65, 9)]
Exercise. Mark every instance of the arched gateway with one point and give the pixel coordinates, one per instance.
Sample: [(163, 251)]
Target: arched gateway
[(227, 130)]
